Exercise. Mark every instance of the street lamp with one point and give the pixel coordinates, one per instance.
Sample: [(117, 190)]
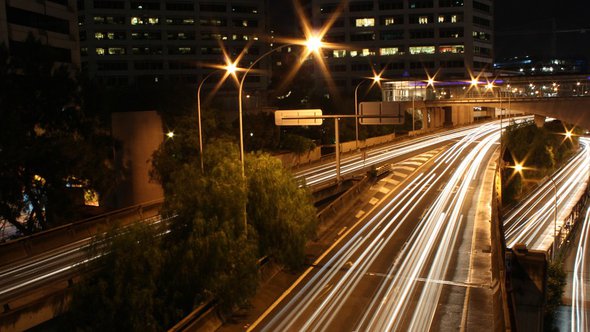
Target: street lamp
[(313, 44), (230, 69), (376, 79)]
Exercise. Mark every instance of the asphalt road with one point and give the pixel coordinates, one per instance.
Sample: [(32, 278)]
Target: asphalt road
[(28, 276), (406, 262), (533, 221)]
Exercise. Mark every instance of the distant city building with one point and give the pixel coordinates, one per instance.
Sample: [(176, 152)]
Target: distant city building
[(406, 38), (124, 42), (53, 22), (528, 66)]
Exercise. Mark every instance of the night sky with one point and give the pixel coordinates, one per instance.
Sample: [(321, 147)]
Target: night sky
[(523, 27)]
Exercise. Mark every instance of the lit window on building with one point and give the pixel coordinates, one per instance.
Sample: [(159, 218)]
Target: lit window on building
[(365, 22), (367, 52), (136, 20), (116, 50), (422, 49), (354, 53), (98, 35), (441, 19), (339, 53), (453, 18), (423, 20), (185, 50), (100, 51), (389, 21), (451, 49), (388, 51)]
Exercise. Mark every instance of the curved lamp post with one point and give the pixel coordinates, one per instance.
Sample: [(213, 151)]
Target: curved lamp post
[(230, 69), (313, 44)]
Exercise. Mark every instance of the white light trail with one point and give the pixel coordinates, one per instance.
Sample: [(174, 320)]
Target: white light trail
[(581, 274)]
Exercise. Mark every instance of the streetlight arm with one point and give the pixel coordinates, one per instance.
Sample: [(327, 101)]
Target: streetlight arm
[(199, 116), (258, 60), (242, 80)]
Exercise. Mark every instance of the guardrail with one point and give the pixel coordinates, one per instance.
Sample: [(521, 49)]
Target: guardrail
[(571, 221), (24, 247)]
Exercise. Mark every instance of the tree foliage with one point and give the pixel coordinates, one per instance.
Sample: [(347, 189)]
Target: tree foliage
[(282, 212), (122, 295), (556, 281), (47, 141), (208, 230), (541, 150), (297, 144)]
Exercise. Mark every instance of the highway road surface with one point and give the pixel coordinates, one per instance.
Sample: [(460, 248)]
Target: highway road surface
[(407, 264), (533, 221)]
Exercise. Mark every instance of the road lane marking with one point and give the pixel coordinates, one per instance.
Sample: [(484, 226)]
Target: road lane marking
[(319, 259), (384, 190), (359, 214)]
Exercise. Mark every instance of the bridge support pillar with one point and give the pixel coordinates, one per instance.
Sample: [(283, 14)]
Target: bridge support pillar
[(434, 117), (539, 121), (448, 119)]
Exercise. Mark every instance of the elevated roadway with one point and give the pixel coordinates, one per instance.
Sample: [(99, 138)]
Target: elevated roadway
[(45, 264), (407, 263)]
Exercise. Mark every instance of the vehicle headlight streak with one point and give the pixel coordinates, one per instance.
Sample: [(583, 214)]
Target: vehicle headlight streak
[(432, 241), (531, 222), (351, 164), (580, 275)]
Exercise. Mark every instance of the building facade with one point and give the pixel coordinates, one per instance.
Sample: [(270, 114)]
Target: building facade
[(53, 22), (124, 42), (406, 38)]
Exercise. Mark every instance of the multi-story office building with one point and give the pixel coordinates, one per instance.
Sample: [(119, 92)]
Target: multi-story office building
[(53, 22), (407, 38), (168, 40)]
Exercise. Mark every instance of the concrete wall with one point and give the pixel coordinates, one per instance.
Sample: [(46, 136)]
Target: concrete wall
[(140, 134), (434, 117), (462, 115), (292, 159)]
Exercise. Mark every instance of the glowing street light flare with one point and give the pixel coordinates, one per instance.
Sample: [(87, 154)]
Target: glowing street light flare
[(518, 168), (231, 68), (314, 44), (170, 134)]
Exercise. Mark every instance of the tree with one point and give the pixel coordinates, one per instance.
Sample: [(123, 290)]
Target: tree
[(210, 255), (556, 281), (281, 212), (47, 142), (297, 144), (121, 292)]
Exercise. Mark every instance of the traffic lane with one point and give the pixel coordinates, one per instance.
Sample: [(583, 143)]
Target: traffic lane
[(320, 174), (378, 269), (325, 268), (461, 299), (423, 310), (532, 221)]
